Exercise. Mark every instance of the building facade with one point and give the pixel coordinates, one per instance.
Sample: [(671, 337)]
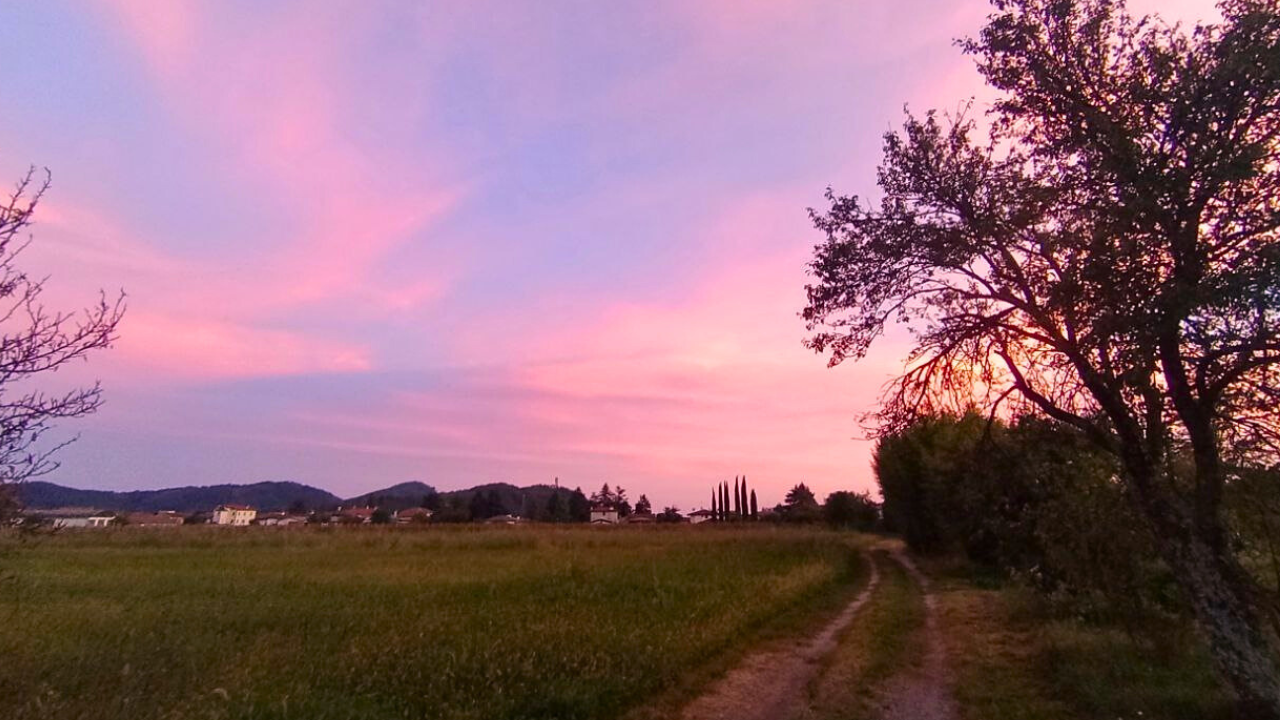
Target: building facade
[(601, 513), (233, 515)]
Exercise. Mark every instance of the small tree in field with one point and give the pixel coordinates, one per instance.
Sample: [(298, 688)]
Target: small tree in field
[(670, 514), (1108, 257), (34, 343), (800, 505)]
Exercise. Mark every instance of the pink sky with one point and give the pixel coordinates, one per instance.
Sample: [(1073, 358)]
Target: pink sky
[(366, 243)]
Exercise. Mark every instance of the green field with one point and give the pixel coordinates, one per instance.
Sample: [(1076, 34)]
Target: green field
[(394, 623)]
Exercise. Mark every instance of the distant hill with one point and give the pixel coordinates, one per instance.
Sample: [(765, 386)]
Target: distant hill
[(524, 501), (396, 497), (263, 496), (527, 501)]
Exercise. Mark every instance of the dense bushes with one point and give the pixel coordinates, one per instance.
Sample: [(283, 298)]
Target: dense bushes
[(1032, 498), (856, 511)]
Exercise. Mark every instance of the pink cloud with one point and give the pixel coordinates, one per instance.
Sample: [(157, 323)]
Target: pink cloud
[(274, 98), (165, 32), (201, 348)]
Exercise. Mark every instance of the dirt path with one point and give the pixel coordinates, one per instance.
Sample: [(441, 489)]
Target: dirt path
[(920, 693), (770, 685)]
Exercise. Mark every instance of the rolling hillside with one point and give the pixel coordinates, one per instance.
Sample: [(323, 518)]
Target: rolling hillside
[(263, 495)]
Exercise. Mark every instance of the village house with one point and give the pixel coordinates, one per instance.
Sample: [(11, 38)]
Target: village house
[(413, 515), (353, 516), (280, 519), (701, 516), (639, 519), (604, 513), (233, 515)]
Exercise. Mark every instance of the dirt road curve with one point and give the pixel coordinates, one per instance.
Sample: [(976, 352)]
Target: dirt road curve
[(770, 685), (920, 693)]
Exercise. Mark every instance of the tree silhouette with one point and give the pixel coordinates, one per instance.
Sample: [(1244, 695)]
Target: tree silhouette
[(800, 494), (1109, 257), (34, 343), (579, 507)]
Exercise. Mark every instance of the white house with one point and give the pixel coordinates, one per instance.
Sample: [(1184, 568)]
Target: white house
[(604, 513), (233, 515), (701, 516)]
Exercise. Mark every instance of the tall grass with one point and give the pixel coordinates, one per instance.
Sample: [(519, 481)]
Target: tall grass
[(388, 623)]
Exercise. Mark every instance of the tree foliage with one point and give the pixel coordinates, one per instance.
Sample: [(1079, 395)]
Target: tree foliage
[(670, 514), (856, 511), (800, 505), (1033, 498), (917, 468)]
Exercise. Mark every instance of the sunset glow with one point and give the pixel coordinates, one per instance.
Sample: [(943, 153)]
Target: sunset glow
[(366, 243)]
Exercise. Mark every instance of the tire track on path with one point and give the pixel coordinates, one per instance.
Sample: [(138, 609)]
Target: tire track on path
[(921, 693), (771, 684)]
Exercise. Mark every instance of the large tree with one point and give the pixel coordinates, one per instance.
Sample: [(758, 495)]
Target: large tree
[(35, 342), (1104, 251)]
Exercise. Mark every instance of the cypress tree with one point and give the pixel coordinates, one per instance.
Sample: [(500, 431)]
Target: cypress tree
[(724, 500), (755, 514), (737, 498), (746, 507)]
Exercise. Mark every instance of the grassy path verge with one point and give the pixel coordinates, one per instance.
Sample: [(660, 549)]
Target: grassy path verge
[(1019, 663)]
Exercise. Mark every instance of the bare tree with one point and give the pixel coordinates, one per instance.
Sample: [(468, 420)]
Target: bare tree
[(34, 343), (1108, 256)]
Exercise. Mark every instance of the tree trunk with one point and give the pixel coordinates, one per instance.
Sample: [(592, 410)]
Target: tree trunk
[(1217, 589)]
